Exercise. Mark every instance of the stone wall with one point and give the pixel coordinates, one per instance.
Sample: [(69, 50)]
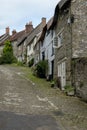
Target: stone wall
[(65, 50), (79, 47), (1, 50), (79, 28), (80, 76), (14, 45)]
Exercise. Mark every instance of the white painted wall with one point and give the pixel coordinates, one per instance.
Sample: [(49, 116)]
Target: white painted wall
[(30, 50), (47, 47)]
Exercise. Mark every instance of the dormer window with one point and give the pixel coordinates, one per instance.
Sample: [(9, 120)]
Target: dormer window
[(55, 42), (58, 39)]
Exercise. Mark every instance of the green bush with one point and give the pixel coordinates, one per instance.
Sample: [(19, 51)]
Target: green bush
[(31, 62), (69, 88), (19, 63), (7, 55), (41, 69), (7, 58)]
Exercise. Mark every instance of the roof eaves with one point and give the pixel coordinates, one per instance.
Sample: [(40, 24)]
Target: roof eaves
[(17, 35), (62, 2), (56, 13), (55, 17), (21, 41), (43, 33), (4, 38), (31, 35)]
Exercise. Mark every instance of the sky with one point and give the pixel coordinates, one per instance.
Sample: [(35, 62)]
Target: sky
[(16, 13)]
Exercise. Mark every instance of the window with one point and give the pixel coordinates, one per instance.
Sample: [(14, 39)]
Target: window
[(57, 41), (60, 37), (43, 55)]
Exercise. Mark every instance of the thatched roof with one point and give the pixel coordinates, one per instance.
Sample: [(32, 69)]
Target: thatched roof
[(60, 5)]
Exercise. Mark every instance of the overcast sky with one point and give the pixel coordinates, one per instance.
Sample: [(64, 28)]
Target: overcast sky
[(16, 13)]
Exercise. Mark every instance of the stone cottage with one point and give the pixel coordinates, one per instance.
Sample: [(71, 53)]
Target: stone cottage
[(32, 39), (18, 38), (45, 47), (21, 45), (70, 43)]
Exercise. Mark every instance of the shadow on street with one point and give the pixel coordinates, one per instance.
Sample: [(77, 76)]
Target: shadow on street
[(12, 121)]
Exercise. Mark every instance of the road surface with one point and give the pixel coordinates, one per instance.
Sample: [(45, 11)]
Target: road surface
[(21, 106)]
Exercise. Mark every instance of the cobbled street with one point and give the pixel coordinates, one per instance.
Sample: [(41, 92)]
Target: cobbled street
[(24, 106)]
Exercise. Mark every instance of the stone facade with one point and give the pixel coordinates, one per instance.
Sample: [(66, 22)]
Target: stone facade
[(79, 28), (63, 51), (79, 46), (72, 47), (32, 39), (79, 69)]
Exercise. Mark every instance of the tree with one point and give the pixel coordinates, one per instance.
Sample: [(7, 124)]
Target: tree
[(8, 48), (7, 56)]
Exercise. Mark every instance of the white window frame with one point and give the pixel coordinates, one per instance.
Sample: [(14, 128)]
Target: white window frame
[(60, 37)]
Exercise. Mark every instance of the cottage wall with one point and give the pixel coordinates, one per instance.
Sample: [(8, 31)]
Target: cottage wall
[(79, 28), (1, 50), (80, 76), (79, 46), (19, 52), (47, 48), (14, 45), (64, 51)]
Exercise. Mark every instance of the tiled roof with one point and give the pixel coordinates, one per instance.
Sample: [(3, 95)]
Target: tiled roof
[(34, 32), (22, 35), (3, 38), (47, 27), (38, 37), (16, 36), (22, 39)]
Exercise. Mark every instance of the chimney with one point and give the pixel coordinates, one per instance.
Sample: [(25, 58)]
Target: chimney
[(43, 21), (7, 30), (13, 32), (28, 27)]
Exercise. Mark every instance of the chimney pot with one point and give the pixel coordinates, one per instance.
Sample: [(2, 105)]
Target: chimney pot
[(28, 27), (7, 30), (13, 32), (30, 23), (43, 21)]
